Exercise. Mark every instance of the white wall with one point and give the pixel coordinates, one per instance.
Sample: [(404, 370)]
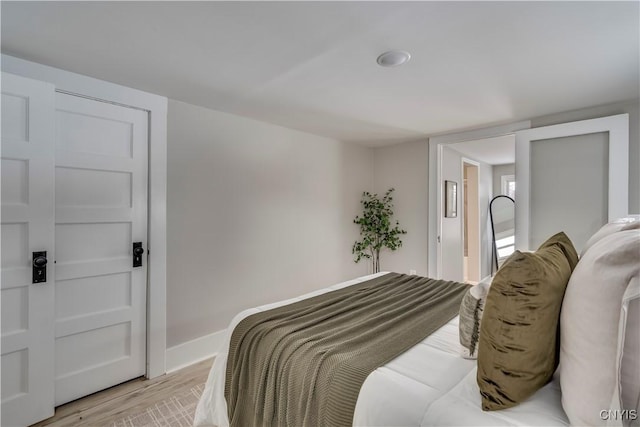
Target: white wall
[(256, 213), (452, 235), (405, 168), (242, 166)]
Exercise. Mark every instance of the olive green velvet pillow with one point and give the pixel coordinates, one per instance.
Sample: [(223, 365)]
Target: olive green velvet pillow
[(518, 350)]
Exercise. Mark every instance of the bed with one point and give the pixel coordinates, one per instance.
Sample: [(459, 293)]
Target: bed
[(430, 384)]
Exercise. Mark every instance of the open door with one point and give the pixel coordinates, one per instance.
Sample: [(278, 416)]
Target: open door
[(572, 177), (471, 221), (27, 242)]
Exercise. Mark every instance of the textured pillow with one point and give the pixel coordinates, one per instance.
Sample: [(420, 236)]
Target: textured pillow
[(518, 345), (562, 241), (592, 339), (631, 222), (471, 309)]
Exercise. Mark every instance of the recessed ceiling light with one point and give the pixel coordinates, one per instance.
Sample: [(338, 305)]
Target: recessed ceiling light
[(393, 58)]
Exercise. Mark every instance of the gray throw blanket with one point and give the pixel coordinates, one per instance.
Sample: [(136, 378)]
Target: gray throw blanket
[(303, 364)]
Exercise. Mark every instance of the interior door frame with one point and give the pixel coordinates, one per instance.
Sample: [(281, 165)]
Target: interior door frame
[(156, 107), (618, 128), (436, 145), (465, 160)]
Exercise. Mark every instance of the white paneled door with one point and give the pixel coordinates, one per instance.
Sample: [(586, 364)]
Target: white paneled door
[(74, 184), (571, 177), (100, 213), (27, 192)]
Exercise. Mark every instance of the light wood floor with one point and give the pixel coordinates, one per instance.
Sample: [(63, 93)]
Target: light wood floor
[(108, 406)]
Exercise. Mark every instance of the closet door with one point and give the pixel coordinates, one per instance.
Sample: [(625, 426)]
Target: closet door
[(571, 177), (101, 214), (27, 198)]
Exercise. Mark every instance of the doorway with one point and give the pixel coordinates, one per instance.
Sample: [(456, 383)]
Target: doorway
[(485, 154), (471, 221)]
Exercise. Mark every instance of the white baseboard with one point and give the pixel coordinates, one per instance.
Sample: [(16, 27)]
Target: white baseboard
[(194, 351)]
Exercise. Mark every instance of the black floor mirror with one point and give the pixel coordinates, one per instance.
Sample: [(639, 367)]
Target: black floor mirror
[(502, 215)]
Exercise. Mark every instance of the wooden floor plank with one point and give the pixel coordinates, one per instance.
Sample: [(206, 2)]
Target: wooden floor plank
[(115, 403)]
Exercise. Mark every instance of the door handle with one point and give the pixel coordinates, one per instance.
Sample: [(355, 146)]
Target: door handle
[(39, 268), (137, 254)]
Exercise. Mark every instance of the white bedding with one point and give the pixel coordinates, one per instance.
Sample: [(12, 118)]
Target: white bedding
[(428, 385)]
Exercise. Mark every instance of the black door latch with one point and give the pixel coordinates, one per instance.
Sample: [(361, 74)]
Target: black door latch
[(137, 254), (39, 270)]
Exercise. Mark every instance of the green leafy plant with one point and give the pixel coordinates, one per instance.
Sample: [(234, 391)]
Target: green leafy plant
[(376, 228)]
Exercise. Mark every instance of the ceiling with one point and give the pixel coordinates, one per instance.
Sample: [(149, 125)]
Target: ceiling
[(500, 150), (312, 65)]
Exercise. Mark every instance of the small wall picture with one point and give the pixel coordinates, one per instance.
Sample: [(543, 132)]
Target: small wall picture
[(450, 199)]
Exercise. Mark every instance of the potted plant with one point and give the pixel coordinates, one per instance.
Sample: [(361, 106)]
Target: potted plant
[(376, 229)]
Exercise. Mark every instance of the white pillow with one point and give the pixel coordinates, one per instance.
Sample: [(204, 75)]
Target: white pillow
[(590, 332), (471, 309), (629, 349), (630, 222)]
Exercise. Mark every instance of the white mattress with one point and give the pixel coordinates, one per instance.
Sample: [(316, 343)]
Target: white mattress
[(428, 385)]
